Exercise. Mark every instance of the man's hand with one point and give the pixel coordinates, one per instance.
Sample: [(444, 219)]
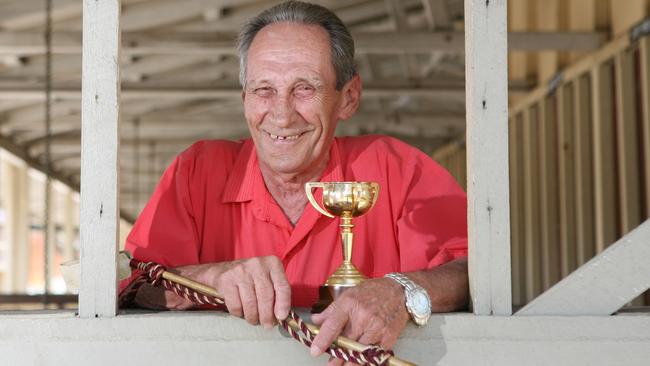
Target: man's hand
[(254, 288), (373, 312)]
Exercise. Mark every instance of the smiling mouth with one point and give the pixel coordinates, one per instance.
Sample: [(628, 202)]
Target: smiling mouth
[(282, 138)]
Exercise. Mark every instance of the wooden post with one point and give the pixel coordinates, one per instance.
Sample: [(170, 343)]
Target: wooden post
[(644, 50), (584, 186), (603, 132), (516, 211), (627, 144), (99, 158), (548, 190), (486, 88), (532, 247), (566, 182)]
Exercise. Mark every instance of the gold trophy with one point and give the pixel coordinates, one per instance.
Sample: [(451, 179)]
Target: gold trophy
[(347, 200)]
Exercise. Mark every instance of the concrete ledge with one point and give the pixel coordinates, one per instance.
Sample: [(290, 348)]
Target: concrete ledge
[(196, 338)]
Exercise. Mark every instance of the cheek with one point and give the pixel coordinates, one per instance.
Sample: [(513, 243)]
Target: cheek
[(314, 112), (254, 112)]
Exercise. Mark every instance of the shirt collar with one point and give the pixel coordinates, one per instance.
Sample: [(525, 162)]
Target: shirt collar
[(246, 173), (239, 187)]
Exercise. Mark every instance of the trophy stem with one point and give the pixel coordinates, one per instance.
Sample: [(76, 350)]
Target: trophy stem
[(347, 274), (347, 237)]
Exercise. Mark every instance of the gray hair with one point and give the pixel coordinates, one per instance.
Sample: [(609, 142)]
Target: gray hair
[(342, 45)]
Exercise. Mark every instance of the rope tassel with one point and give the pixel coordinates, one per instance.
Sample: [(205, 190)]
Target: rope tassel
[(342, 348)]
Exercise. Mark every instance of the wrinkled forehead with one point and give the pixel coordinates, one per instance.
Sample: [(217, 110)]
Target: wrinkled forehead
[(291, 43)]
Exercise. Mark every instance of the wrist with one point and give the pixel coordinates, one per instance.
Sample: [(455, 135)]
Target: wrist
[(416, 298)]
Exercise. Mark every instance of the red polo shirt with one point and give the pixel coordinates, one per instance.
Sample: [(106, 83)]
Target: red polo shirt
[(212, 205)]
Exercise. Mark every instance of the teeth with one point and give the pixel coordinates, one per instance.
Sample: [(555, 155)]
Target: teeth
[(276, 137)]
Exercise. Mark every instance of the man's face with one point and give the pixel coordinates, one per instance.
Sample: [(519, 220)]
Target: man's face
[(290, 99)]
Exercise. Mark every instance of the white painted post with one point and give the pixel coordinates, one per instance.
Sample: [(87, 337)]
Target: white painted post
[(99, 158), (486, 73)]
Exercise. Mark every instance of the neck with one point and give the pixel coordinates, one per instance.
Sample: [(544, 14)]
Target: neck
[(288, 190)]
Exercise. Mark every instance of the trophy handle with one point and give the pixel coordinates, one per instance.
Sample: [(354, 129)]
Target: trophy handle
[(309, 186), (376, 195)]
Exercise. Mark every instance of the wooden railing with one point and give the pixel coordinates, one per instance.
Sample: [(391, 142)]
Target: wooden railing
[(579, 163)]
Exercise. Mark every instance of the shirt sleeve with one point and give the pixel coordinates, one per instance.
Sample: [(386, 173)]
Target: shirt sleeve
[(432, 228), (165, 231)]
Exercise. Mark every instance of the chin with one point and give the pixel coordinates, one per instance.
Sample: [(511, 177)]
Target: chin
[(285, 168)]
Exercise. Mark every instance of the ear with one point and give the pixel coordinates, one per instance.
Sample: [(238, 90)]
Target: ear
[(350, 98), (243, 95)]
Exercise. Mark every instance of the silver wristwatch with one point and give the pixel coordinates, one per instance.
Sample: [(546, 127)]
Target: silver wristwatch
[(418, 303)]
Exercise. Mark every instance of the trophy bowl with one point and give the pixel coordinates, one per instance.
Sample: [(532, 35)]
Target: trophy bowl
[(349, 198), (345, 200)]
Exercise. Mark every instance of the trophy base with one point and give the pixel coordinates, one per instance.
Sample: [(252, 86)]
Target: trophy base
[(326, 295), (345, 277)]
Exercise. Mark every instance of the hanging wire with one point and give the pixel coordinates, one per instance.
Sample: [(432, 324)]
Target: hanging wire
[(48, 148)]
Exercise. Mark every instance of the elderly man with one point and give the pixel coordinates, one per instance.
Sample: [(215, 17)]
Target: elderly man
[(234, 215)]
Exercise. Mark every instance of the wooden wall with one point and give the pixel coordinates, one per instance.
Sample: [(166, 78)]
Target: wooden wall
[(580, 149)]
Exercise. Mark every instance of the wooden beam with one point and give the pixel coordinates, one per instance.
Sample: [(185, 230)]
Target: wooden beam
[(36, 94), (549, 228), (584, 184), (212, 44), (603, 143), (515, 147), (487, 157), (604, 284), (437, 14), (627, 134), (644, 61), (148, 66), (99, 229), (566, 170), (29, 14), (532, 248)]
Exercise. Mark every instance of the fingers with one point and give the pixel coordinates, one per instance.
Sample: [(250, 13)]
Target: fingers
[(372, 333), (282, 290), (320, 317), (232, 300), (249, 301), (265, 300), (256, 289), (331, 327)]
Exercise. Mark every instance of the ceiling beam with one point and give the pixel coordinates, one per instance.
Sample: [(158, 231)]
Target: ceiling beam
[(29, 14), (437, 14), (212, 44), (37, 94)]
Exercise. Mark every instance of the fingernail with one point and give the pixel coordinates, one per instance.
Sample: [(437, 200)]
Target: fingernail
[(315, 351)]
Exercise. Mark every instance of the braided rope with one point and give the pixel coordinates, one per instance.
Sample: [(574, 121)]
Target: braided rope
[(153, 273)]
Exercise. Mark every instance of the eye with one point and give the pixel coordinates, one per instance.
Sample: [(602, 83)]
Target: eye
[(263, 92), (304, 91)]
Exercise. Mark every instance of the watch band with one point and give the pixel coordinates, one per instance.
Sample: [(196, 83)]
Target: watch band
[(402, 280)]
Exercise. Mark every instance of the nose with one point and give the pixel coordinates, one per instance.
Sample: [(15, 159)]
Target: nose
[(283, 110)]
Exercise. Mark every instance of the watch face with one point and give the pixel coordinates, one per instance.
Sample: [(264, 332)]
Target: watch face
[(419, 303)]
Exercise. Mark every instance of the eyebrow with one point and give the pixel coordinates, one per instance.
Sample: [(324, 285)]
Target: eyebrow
[(312, 80)]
